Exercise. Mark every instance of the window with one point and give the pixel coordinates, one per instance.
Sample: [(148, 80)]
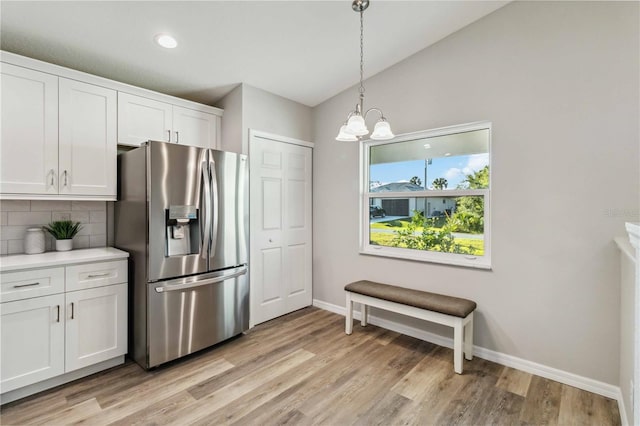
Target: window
[(426, 196)]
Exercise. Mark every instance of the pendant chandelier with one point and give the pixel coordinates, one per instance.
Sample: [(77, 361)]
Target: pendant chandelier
[(355, 127)]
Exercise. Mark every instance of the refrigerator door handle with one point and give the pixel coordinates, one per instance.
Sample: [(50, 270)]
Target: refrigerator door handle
[(213, 236), (186, 286), (205, 228)]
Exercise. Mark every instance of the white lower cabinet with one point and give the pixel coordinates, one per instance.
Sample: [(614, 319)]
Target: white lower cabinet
[(96, 326), (45, 336), (32, 341)]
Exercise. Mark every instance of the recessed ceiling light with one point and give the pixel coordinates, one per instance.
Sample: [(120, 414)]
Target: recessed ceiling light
[(447, 154), (165, 40), (427, 146)]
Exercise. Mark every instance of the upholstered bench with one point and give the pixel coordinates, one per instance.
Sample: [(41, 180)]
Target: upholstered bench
[(447, 310)]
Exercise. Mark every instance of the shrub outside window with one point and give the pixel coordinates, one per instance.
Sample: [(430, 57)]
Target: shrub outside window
[(426, 196)]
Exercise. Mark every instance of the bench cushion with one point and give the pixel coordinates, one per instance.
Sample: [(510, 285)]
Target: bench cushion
[(448, 305)]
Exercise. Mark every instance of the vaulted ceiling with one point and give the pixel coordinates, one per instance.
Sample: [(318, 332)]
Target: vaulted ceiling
[(306, 51)]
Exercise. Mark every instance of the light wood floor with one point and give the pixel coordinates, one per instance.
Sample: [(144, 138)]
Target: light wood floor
[(302, 369)]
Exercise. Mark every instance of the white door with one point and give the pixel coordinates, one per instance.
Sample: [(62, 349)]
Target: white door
[(280, 223), (32, 341), (141, 119), (96, 325), (196, 128), (87, 139), (29, 147)]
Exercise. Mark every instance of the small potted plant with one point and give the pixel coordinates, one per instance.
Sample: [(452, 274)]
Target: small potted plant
[(63, 231)]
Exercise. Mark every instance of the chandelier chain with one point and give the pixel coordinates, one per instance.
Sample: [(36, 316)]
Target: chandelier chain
[(361, 89)]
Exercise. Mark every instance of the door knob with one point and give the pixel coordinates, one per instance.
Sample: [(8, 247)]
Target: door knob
[(270, 240)]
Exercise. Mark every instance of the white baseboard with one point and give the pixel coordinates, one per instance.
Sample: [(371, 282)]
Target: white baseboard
[(25, 391), (622, 408), (580, 382)]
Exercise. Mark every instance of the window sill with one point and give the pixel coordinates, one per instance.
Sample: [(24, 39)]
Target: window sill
[(429, 257)]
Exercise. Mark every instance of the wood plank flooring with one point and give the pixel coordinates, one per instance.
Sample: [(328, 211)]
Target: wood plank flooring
[(302, 369)]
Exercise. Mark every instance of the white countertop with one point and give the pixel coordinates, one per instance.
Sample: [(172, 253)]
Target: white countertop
[(60, 258)]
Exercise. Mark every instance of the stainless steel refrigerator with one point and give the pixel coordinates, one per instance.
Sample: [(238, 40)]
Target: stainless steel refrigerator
[(182, 214)]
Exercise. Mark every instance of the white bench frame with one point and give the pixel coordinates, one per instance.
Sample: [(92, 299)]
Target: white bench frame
[(462, 327)]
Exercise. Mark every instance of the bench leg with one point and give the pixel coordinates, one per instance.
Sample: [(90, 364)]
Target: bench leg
[(458, 329), (365, 314), (349, 318), (468, 338)]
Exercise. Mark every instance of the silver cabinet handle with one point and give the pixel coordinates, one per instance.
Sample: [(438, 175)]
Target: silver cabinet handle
[(52, 173), (177, 136), (26, 285), (72, 310), (106, 274), (64, 174), (58, 319), (168, 135)]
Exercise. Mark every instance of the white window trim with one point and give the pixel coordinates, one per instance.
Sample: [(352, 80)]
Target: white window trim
[(480, 262)]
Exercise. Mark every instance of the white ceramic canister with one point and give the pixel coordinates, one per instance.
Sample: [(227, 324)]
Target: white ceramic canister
[(34, 241)]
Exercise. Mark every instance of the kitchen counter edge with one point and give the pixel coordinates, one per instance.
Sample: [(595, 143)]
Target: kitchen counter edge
[(60, 258)]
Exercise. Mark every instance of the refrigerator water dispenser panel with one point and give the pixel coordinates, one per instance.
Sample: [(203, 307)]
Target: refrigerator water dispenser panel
[(183, 229)]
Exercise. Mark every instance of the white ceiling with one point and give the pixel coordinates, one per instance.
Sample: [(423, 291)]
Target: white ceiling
[(307, 51)]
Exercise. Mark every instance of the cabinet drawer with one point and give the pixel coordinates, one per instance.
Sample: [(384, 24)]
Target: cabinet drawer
[(92, 275), (31, 283)]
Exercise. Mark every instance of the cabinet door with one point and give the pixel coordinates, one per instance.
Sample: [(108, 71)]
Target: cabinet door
[(194, 128), (141, 119), (87, 143), (96, 325), (32, 341), (29, 146)]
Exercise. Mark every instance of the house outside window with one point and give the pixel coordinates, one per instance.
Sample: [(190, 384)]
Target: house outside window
[(426, 196)]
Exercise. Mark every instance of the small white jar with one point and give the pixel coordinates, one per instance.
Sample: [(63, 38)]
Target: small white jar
[(34, 241)]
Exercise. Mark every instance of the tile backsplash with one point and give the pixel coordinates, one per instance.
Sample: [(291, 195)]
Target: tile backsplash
[(18, 215)]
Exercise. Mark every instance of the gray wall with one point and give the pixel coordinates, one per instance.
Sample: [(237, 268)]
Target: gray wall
[(232, 121), (247, 107), (559, 82)]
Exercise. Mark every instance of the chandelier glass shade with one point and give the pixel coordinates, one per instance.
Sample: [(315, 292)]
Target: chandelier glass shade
[(355, 127)]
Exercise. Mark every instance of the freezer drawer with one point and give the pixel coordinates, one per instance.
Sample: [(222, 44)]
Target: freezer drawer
[(187, 315)]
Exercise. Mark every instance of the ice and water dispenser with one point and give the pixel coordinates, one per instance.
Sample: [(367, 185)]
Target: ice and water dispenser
[(183, 230)]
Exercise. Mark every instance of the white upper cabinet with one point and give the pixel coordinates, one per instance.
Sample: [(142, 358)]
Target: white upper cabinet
[(58, 137), (141, 119), (29, 148), (61, 129), (195, 128), (87, 139)]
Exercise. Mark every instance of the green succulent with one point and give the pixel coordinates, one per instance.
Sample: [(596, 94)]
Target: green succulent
[(63, 229)]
